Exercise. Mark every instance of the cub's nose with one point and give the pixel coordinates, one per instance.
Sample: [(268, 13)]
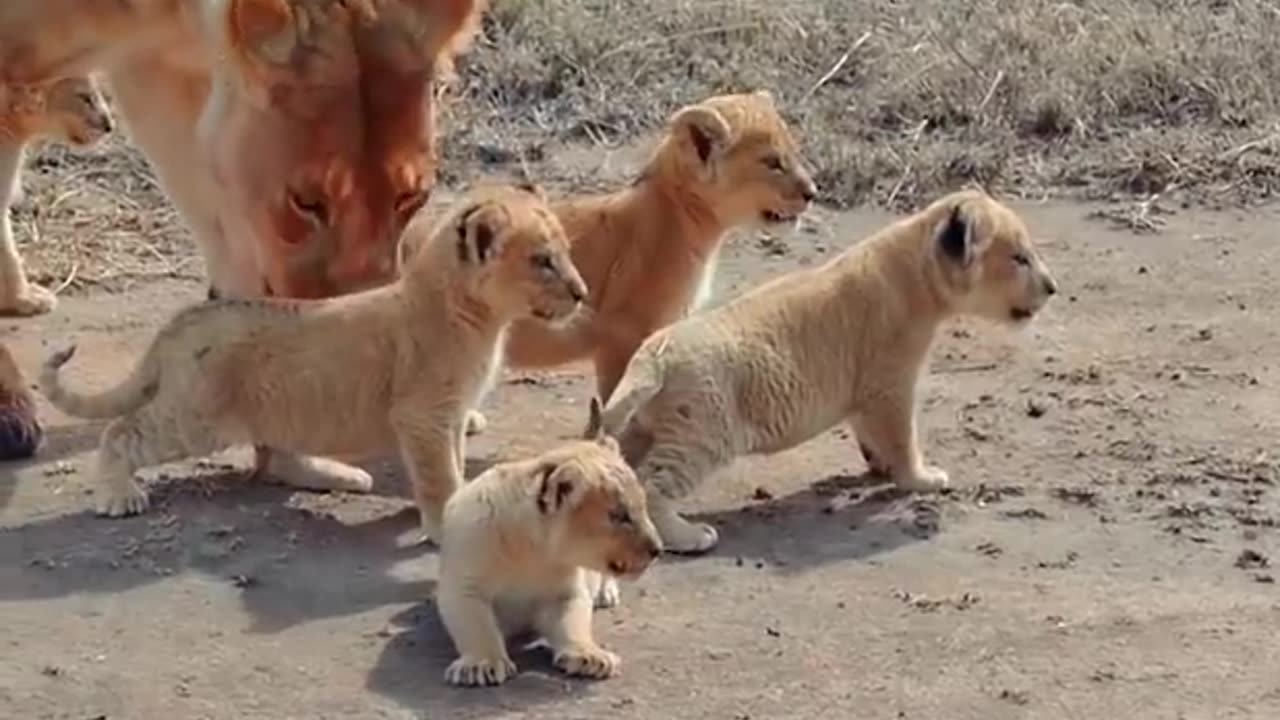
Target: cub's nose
[(577, 292), (1050, 286), (655, 548)]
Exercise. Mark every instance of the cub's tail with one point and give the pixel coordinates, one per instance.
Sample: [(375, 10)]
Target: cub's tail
[(137, 390), (641, 381)]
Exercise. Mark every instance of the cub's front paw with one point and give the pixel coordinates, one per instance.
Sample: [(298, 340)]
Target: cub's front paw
[(589, 662), (129, 499), (926, 480), (476, 672)]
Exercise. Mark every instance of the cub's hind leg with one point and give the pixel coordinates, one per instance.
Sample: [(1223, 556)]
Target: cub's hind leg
[(139, 440), (670, 470)]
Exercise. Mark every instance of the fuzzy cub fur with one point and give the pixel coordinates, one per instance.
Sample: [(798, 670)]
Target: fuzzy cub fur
[(527, 545), (843, 342), (342, 376), (648, 251)]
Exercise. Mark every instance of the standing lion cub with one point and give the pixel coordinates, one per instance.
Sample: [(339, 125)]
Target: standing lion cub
[(342, 376), (527, 546), (843, 342)]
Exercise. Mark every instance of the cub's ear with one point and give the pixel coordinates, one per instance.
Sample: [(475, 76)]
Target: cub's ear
[(955, 238), (480, 232), (704, 129), (262, 31), (561, 487)]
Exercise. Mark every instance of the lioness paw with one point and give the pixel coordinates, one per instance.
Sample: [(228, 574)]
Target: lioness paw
[(926, 480), (121, 502), (476, 672), (590, 662), (33, 300)]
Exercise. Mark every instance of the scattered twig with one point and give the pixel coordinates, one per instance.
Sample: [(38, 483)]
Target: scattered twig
[(826, 77)]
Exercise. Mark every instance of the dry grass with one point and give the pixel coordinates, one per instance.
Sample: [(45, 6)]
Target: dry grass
[(899, 99), (895, 100)]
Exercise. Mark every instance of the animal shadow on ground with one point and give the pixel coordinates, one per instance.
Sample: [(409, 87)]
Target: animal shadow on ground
[(838, 518), (59, 442), (295, 556), (410, 671)]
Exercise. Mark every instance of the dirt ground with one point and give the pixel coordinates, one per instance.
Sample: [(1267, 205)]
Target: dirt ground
[(1107, 550)]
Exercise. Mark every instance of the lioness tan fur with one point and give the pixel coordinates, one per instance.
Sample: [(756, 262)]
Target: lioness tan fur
[(526, 546), (71, 111), (295, 137), (342, 376), (843, 342)]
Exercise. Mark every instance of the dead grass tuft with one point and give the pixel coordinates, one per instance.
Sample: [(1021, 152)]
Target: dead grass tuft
[(900, 100)]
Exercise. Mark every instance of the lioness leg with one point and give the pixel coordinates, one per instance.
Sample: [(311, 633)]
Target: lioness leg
[(136, 441), (18, 296), (471, 623), (669, 471), (888, 428), (566, 626), (431, 458), (308, 472)]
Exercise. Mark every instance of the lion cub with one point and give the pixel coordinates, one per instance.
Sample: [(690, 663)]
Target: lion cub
[(69, 110), (341, 377), (526, 546), (843, 342), (648, 251)]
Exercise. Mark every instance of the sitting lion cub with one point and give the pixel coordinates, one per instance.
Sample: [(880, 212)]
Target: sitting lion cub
[(525, 546), (843, 342), (341, 377)]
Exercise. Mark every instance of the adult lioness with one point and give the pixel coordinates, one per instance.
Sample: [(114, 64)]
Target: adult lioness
[(343, 376), (526, 545), (296, 137), (843, 342), (69, 110)]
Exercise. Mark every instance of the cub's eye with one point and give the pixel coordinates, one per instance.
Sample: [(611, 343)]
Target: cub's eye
[(542, 261), (311, 207), (773, 162), (411, 200), (619, 516), (1021, 258)]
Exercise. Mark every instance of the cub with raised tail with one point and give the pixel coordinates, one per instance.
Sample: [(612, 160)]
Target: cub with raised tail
[(345, 376)]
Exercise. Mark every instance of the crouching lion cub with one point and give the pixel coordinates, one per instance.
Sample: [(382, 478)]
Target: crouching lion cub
[(341, 376), (527, 545), (842, 342)]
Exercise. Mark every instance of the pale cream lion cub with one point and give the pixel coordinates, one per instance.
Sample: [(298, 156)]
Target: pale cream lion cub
[(526, 546), (69, 110), (842, 342), (341, 377)]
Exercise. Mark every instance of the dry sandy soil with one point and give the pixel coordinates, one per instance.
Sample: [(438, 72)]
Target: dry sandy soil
[(1104, 553), (1109, 548)]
